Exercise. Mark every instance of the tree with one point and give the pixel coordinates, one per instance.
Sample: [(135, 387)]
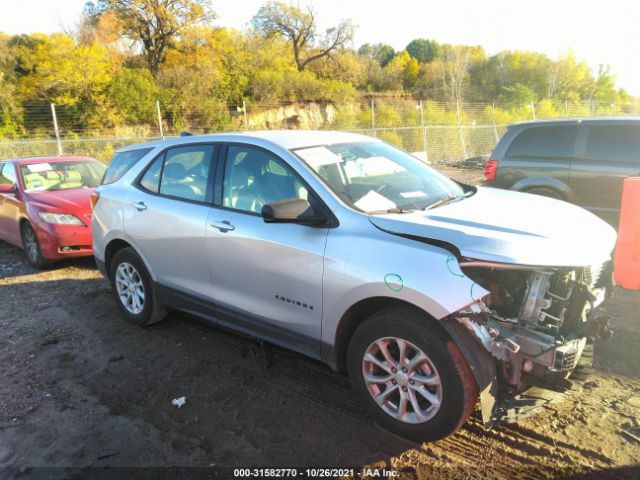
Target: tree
[(403, 71), (423, 50), (605, 86), (519, 94), (299, 28), (570, 80), (154, 23), (380, 52), (455, 62), (134, 93)]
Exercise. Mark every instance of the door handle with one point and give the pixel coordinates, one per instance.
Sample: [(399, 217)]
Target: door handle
[(140, 206), (223, 226)]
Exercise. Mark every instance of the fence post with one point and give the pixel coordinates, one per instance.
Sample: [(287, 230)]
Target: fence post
[(55, 128), (159, 119), (493, 122), (244, 115), (373, 119), (424, 132), (566, 108), (533, 110), (462, 142)]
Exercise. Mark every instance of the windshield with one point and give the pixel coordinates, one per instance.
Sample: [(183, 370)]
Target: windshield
[(48, 176), (377, 177)]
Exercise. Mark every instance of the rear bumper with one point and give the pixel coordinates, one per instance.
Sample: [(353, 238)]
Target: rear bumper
[(64, 241)]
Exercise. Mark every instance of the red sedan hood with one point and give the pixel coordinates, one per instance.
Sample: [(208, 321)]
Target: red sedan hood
[(74, 201)]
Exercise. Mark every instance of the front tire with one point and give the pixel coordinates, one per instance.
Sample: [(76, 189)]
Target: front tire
[(412, 378), (136, 294), (31, 246)]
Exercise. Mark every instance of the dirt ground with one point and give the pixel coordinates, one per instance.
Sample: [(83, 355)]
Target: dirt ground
[(80, 387)]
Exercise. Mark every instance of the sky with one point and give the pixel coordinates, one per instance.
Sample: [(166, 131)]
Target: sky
[(598, 31)]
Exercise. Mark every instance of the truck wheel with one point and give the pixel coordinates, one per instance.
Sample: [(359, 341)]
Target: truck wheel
[(135, 292), (412, 378)]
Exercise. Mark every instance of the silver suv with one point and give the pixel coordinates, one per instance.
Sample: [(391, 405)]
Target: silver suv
[(430, 293)]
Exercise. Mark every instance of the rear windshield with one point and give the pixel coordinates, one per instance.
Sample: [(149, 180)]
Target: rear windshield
[(553, 141), (49, 176), (121, 163)]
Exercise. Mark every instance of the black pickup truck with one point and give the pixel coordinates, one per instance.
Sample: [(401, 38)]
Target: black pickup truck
[(582, 161)]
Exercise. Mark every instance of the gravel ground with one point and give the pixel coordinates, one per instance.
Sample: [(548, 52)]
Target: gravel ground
[(80, 387)]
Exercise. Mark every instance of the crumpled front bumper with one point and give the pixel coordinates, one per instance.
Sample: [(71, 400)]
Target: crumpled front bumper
[(517, 369)]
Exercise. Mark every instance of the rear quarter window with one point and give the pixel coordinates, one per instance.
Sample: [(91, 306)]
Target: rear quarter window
[(553, 141), (614, 143), (122, 163)]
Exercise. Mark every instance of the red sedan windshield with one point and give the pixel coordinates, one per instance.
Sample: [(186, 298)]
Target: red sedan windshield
[(48, 176)]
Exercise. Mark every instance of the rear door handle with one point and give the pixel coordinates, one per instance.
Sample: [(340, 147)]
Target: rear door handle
[(223, 226), (140, 206)]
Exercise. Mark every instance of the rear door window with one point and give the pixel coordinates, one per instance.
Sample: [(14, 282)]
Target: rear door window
[(553, 141), (122, 163), (614, 143), (186, 173)]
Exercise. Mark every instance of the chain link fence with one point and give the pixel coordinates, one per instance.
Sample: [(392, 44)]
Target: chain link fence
[(439, 132)]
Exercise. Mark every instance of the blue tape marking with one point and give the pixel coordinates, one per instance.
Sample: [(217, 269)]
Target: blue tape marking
[(394, 282), (452, 259)]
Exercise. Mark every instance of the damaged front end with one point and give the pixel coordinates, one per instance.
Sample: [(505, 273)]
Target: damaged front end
[(535, 323)]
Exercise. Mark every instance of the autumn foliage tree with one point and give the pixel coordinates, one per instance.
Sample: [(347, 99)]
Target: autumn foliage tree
[(299, 27), (154, 23)]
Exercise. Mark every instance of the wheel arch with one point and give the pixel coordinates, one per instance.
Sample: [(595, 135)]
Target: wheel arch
[(549, 183), (112, 248), (21, 223), (358, 313)]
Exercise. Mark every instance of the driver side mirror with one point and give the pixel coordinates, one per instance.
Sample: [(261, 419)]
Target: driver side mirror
[(293, 210), (8, 188)]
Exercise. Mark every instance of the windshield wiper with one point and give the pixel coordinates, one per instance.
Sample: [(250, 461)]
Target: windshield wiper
[(390, 210), (446, 199)]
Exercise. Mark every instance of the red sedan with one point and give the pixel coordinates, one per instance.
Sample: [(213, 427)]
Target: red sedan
[(44, 206)]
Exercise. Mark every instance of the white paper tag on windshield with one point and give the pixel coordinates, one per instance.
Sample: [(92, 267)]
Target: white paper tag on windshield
[(39, 167), (318, 156), (373, 201), (417, 194)]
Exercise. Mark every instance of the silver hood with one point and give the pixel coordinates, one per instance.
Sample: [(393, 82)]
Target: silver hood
[(511, 227)]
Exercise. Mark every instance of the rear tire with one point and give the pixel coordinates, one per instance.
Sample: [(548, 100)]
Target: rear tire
[(31, 246), (135, 292), (546, 192), (427, 402)]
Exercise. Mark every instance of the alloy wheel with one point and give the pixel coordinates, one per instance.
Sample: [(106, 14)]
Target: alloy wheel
[(402, 380), (31, 244), (130, 288)]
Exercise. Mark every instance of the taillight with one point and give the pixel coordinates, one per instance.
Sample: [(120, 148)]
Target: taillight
[(490, 169), (93, 200)]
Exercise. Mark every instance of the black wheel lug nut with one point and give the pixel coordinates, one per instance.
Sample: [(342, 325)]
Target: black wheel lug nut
[(394, 382), (404, 389)]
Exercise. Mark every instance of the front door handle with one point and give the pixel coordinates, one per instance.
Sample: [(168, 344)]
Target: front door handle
[(223, 226), (140, 206)]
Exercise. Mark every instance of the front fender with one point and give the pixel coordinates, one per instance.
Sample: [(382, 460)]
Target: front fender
[(385, 265)]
